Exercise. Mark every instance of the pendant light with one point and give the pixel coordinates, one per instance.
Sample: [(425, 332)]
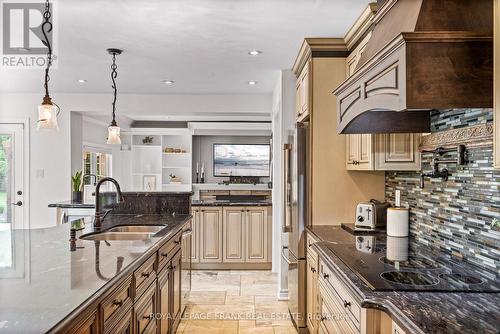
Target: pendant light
[(113, 128), (48, 110)]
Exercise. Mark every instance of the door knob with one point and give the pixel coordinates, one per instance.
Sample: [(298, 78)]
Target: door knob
[(18, 203)]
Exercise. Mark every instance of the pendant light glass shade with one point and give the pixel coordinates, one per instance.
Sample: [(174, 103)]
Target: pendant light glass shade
[(114, 135), (47, 115)]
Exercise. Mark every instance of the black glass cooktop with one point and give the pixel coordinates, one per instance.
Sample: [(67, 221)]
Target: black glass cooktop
[(398, 264)]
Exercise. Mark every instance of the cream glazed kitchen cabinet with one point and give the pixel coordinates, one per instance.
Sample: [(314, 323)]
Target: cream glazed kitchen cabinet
[(210, 228), (256, 234), (234, 234), (245, 231), (302, 93), (195, 225), (312, 290), (232, 237)]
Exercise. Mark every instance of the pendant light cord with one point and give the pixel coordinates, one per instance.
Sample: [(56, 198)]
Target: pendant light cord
[(114, 74), (46, 29)]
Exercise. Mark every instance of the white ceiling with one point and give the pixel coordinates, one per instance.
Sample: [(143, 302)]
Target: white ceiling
[(200, 44)]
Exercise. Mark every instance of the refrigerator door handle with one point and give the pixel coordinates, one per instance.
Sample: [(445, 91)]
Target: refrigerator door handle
[(287, 193), (286, 257)]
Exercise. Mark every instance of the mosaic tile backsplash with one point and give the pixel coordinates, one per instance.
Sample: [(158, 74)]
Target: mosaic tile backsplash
[(456, 215)]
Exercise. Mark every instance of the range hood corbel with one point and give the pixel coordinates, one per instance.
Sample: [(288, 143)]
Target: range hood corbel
[(423, 55)]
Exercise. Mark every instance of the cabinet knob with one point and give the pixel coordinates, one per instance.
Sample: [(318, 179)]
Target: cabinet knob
[(117, 302), (326, 276), (145, 274), (313, 270), (347, 304), (323, 318)]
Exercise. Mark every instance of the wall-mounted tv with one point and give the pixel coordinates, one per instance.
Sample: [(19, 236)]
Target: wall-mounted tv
[(241, 160)]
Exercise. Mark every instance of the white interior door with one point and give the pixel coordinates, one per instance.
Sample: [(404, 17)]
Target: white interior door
[(12, 193), (13, 209)]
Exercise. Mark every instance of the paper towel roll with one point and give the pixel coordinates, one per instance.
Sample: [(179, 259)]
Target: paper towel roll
[(397, 222)]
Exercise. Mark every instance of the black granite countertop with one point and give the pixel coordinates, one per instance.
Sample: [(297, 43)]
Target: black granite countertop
[(415, 312), (231, 203), (72, 205), (51, 282)]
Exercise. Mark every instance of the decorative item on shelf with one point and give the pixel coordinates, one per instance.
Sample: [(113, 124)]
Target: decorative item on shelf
[(197, 172), (169, 150), (48, 110), (175, 179), (149, 182), (147, 140), (113, 128), (125, 147), (76, 181), (202, 173)]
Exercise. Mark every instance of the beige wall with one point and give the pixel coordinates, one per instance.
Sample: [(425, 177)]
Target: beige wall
[(335, 191)]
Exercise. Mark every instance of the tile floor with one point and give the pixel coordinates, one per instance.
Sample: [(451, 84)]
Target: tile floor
[(235, 302)]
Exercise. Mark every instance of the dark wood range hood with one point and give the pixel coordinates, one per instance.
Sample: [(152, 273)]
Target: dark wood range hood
[(423, 55)]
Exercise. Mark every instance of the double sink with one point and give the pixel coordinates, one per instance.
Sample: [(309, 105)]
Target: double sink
[(127, 232)]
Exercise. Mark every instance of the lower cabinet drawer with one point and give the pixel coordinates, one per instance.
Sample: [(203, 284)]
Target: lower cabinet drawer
[(144, 276), (334, 317), (145, 310), (116, 304), (168, 250), (338, 291)]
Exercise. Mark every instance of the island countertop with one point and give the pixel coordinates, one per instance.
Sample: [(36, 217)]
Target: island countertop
[(415, 312), (48, 281)]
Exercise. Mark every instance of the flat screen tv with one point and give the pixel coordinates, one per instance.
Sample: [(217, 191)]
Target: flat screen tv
[(241, 160)]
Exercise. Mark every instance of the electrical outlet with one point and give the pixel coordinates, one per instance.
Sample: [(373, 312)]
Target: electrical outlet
[(40, 173)]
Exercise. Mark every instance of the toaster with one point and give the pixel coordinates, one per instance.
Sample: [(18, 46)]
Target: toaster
[(371, 215)]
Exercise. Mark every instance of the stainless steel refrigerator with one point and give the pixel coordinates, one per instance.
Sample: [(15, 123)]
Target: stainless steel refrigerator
[(296, 169)]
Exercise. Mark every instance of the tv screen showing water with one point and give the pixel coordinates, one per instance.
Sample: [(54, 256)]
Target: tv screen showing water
[(241, 160)]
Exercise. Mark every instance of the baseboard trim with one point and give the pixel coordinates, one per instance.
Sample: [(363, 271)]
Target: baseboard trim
[(231, 266)]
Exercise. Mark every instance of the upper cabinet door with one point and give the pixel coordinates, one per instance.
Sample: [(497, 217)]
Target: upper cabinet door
[(352, 150), (398, 151), (365, 151), (210, 234), (257, 234), (302, 95), (359, 152), (234, 234)]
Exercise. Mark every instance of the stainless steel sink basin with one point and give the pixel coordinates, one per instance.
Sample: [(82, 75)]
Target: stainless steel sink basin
[(129, 232)]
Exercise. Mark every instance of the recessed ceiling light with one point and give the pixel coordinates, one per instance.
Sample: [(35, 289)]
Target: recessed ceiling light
[(168, 82), (252, 83), (82, 81), (254, 52)]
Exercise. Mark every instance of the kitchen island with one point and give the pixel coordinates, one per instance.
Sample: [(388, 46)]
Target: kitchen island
[(101, 286), (411, 311)]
